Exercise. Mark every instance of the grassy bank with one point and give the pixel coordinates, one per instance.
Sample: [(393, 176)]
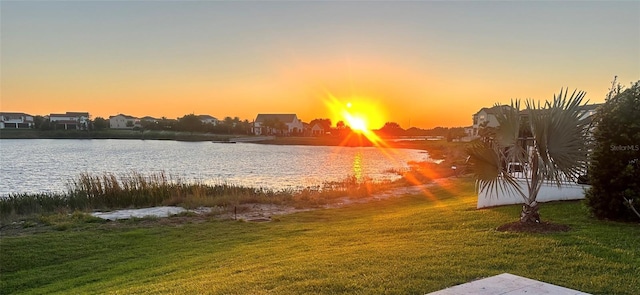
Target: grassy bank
[(408, 245), (91, 192)]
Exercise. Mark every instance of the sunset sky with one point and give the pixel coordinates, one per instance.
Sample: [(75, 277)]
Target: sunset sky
[(420, 63)]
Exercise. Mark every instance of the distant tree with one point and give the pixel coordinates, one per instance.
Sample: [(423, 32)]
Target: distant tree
[(236, 126), (227, 124), (614, 172), (342, 129), (392, 129), (281, 127), (167, 124), (268, 126), (100, 123), (437, 131), (42, 123), (415, 131), (150, 125), (455, 133), (272, 126), (325, 123), (190, 123), (243, 127)]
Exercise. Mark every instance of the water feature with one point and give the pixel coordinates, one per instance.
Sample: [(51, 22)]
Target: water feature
[(46, 165)]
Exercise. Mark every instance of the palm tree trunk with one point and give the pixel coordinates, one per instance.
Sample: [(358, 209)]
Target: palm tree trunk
[(530, 213), (530, 208)]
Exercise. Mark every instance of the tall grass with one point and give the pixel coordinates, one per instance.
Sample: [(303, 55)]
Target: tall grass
[(108, 191), (134, 190), (25, 204), (128, 190)]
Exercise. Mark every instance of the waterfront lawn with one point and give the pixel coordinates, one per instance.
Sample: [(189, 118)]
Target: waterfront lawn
[(408, 245)]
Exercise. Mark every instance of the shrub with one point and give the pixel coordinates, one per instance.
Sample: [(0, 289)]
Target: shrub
[(614, 171)]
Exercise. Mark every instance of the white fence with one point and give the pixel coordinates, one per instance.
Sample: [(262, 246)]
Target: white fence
[(548, 192)]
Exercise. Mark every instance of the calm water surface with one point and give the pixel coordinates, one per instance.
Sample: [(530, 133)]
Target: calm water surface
[(46, 165)]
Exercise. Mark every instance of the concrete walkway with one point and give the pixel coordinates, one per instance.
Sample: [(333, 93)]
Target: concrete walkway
[(507, 284)]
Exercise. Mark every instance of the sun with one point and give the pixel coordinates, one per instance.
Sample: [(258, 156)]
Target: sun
[(357, 124), (359, 114)]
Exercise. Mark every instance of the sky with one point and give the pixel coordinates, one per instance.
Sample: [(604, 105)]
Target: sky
[(417, 63)]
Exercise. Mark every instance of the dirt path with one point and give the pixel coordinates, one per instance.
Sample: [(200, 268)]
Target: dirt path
[(265, 212)]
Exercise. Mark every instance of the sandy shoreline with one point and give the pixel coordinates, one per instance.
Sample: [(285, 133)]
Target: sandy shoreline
[(255, 212)]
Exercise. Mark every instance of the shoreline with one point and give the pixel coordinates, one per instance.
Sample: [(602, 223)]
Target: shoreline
[(437, 149)]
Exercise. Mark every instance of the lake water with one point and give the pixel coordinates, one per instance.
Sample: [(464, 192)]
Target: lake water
[(46, 165)]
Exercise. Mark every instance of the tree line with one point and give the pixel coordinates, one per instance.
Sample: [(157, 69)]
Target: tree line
[(229, 125), (186, 123)]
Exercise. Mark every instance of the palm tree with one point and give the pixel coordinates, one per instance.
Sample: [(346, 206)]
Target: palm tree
[(548, 140)]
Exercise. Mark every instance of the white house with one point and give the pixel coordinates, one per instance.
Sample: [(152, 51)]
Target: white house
[(318, 130), (70, 120), (589, 110), (486, 117), (16, 121), (206, 119), (263, 124), (121, 121)]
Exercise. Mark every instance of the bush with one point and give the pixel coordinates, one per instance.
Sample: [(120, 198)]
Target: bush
[(615, 165)]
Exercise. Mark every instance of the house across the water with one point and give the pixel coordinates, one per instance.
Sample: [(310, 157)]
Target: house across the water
[(16, 121), (277, 124)]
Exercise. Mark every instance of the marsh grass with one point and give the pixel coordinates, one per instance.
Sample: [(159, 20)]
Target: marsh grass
[(26, 204), (108, 191)]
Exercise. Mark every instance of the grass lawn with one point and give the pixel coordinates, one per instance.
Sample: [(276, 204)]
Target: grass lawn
[(408, 245)]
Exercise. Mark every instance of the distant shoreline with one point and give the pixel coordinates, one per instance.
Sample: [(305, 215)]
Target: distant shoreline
[(437, 149), (112, 134)]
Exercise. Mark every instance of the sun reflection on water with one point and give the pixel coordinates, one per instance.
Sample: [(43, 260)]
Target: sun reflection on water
[(357, 166)]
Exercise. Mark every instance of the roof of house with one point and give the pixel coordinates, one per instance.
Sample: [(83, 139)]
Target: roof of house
[(70, 114), (125, 116), (79, 114), (285, 118), (590, 107), (206, 117), (12, 114), (318, 126), (493, 110)]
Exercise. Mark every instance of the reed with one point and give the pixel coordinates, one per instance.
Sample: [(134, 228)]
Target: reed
[(108, 191), (25, 204)]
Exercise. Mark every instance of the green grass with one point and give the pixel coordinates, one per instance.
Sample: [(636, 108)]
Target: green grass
[(408, 245)]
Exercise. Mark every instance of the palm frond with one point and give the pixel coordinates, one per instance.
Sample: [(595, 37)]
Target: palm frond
[(559, 130), (487, 163)]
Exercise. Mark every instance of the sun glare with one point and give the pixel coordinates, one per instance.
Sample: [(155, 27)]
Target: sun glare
[(357, 124), (361, 115)]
